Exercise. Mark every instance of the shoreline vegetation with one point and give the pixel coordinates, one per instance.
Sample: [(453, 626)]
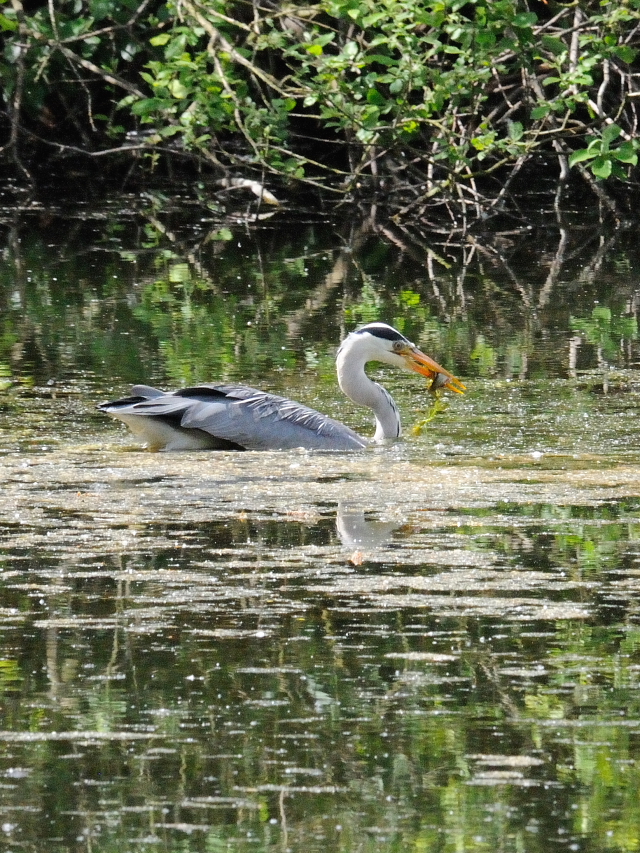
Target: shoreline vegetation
[(438, 111)]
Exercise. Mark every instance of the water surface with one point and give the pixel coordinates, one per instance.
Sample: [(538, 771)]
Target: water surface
[(431, 646)]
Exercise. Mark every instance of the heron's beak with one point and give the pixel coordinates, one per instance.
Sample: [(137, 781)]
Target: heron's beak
[(425, 366)]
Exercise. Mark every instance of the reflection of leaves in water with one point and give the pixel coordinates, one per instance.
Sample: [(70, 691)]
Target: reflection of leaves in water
[(10, 676), (197, 620), (410, 298), (5, 376), (485, 356), (368, 307), (605, 330), (173, 599), (77, 305)]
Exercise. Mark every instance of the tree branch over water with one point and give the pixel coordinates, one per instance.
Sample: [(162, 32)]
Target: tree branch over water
[(430, 108)]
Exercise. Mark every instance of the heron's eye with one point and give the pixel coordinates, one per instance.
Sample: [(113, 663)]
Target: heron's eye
[(397, 346)]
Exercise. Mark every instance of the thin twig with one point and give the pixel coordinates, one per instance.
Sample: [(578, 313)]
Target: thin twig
[(16, 104), (216, 38), (107, 76)]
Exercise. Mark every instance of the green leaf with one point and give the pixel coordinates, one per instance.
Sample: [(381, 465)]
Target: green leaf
[(610, 132), (178, 90), (579, 156), (626, 153), (625, 53), (507, 45), (314, 49), (601, 167), (380, 58), (410, 127), (286, 104), (351, 49), (516, 130), (147, 106), (7, 23), (554, 45), (540, 112), (371, 20), (617, 171), (485, 38), (374, 97), (158, 41), (525, 19), (325, 39)]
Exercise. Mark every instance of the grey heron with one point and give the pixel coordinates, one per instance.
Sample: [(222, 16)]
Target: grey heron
[(237, 417)]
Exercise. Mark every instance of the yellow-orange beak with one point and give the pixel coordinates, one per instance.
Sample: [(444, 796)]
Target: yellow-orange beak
[(425, 366)]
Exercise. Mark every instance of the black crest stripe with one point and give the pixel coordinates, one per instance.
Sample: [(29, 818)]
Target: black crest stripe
[(381, 330)]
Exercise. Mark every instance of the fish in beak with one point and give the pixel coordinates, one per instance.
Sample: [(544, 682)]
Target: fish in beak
[(420, 363)]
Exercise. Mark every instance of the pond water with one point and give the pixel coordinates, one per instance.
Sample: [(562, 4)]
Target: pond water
[(431, 646)]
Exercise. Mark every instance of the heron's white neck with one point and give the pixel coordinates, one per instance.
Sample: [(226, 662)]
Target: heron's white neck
[(355, 383)]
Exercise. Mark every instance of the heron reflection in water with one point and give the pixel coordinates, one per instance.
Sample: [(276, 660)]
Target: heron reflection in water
[(237, 417), (355, 530)]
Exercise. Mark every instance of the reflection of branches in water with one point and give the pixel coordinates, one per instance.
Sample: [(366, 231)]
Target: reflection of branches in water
[(455, 269), (419, 247), (453, 263), (188, 253), (510, 285), (318, 298), (29, 329)]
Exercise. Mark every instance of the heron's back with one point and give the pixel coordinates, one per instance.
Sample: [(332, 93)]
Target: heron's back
[(228, 417)]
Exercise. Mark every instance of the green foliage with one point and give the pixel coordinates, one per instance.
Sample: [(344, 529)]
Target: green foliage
[(10, 677), (433, 98), (63, 64), (603, 160), (485, 357), (606, 331)]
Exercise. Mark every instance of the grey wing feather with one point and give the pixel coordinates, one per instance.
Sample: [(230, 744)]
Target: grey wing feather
[(146, 391), (236, 415), (260, 421)]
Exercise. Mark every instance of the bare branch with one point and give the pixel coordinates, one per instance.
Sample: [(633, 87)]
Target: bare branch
[(107, 76)]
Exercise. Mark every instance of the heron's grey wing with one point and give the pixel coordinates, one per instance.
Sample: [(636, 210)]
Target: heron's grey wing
[(229, 417), (155, 416), (259, 421), (146, 391)]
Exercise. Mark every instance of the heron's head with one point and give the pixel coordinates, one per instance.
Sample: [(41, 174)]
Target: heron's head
[(380, 342)]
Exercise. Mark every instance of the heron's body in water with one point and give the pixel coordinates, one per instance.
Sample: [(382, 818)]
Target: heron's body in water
[(237, 417)]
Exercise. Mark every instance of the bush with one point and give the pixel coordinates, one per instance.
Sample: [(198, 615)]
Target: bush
[(418, 102)]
